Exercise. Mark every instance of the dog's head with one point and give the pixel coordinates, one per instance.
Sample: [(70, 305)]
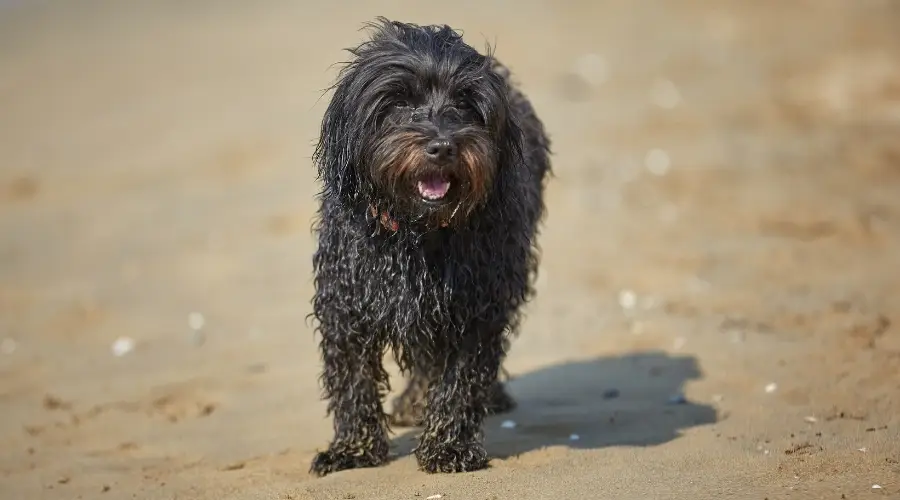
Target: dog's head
[(419, 125)]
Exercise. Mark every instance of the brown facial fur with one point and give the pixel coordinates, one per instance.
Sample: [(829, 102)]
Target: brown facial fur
[(400, 162)]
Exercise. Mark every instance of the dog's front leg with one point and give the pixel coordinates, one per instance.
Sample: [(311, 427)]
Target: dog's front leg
[(354, 380), (452, 439)]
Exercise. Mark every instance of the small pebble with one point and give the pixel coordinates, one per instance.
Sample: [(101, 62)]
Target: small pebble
[(122, 346), (508, 424), (677, 399), (770, 388), (627, 299), (257, 368), (611, 394), (657, 162), (196, 321), (810, 419), (574, 437), (8, 346), (434, 497)]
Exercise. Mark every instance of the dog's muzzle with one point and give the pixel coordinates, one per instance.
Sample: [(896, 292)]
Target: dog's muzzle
[(435, 184)]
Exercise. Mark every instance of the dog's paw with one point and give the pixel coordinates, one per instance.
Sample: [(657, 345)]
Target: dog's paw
[(338, 458), (452, 457)]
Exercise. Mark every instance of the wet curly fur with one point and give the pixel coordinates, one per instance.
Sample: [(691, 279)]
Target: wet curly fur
[(438, 282)]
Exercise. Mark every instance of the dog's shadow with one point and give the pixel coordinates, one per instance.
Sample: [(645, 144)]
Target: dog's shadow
[(632, 400)]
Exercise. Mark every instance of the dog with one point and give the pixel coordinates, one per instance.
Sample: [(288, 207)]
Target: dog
[(433, 169)]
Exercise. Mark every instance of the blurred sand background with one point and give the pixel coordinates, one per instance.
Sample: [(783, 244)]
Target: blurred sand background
[(718, 309)]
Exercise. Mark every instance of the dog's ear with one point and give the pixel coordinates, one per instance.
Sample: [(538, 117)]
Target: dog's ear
[(505, 127), (510, 139), (334, 153)]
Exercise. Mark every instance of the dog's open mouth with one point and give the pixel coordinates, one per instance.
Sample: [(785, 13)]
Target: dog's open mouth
[(433, 187)]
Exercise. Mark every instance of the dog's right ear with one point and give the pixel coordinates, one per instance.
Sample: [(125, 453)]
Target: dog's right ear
[(334, 153), (348, 119)]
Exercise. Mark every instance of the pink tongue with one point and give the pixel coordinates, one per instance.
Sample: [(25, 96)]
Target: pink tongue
[(433, 188)]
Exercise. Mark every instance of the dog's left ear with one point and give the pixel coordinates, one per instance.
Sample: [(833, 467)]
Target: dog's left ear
[(504, 126)]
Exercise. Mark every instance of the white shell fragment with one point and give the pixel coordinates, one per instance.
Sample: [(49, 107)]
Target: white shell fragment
[(122, 346), (772, 387), (196, 321), (434, 497), (627, 299), (657, 162)]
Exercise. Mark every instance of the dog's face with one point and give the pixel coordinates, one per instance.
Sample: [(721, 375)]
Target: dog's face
[(419, 123)]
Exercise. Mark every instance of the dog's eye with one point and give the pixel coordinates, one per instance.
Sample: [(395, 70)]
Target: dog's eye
[(463, 101)]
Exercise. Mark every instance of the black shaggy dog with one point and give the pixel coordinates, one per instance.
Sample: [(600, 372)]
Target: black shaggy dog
[(433, 168)]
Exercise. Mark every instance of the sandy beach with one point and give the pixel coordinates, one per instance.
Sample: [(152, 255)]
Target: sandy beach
[(718, 307)]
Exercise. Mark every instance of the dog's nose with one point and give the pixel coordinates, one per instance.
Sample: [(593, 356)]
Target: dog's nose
[(440, 150)]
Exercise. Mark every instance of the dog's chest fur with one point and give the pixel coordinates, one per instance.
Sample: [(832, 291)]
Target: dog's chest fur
[(423, 290)]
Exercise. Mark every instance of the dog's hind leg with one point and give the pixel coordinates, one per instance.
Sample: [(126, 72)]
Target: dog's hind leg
[(354, 381), (499, 401), (409, 406)]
